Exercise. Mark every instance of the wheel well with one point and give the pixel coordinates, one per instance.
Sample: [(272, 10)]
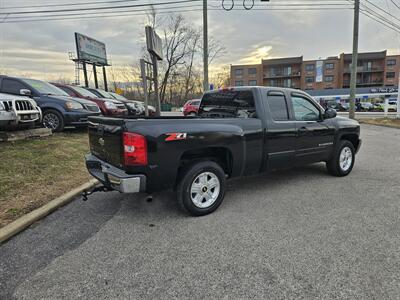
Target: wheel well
[(353, 138), (220, 155)]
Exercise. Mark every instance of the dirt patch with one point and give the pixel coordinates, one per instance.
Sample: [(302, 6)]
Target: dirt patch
[(395, 123), (33, 172)]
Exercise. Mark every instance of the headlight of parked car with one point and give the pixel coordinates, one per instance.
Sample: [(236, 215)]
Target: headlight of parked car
[(73, 105), (110, 105)]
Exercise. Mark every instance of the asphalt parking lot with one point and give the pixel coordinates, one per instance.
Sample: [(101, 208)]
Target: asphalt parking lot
[(293, 234)]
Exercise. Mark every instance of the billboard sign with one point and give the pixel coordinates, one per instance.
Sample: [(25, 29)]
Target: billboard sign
[(90, 50), (154, 43), (319, 71)]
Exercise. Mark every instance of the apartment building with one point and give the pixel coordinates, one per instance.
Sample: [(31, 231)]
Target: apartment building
[(374, 69)]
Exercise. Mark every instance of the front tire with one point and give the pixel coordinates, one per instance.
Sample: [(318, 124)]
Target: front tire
[(201, 189), (343, 159), (53, 119)]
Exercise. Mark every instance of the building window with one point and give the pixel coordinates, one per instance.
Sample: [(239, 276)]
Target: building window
[(287, 82), (390, 75), (252, 71), (238, 72), (328, 78), (287, 71), (329, 66), (309, 79), (391, 62), (238, 83), (252, 82), (310, 67)]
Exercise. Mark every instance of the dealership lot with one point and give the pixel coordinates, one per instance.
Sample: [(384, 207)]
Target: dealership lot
[(293, 234)]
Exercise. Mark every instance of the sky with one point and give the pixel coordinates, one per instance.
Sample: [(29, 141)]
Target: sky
[(40, 49)]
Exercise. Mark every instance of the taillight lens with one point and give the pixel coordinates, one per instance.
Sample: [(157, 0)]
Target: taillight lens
[(135, 149)]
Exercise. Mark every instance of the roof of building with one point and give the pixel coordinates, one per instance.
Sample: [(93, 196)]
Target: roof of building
[(282, 61)]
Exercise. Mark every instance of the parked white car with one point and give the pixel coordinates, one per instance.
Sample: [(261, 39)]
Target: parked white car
[(18, 112)]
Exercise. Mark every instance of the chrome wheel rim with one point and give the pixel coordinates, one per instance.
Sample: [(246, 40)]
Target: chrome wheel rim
[(346, 159), (51, 121), (205, 189)]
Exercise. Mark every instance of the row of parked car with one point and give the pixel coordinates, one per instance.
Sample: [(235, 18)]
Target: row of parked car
[(25, 102)]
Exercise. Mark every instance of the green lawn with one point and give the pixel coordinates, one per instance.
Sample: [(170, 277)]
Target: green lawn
[(32, 172)]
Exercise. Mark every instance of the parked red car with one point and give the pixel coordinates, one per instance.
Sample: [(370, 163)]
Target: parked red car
[(108, 107), (191, 107)]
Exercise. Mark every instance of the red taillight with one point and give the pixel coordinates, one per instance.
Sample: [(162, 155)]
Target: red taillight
[(135, 149)]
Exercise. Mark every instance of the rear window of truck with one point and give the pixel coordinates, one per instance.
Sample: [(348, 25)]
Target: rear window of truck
[(228, 104)]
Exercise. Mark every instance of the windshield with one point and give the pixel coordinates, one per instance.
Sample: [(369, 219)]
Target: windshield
[(83, 92), (117, 96), (45, 88), (104, 94), (228, 104)]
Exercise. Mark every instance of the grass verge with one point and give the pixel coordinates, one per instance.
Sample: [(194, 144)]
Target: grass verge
[(33, 172), (395, 123)]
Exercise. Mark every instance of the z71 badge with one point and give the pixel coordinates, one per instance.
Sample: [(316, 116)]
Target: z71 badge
[(176, 136)]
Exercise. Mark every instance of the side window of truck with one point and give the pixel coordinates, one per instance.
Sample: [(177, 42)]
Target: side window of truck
[(304, 110), (278, 106), (11, 86)]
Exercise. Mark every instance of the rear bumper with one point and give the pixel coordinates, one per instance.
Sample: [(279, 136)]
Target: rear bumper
[(115, 178)]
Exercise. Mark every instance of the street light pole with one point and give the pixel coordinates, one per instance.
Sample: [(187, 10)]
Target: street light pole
[(205, 46), (353, 79)]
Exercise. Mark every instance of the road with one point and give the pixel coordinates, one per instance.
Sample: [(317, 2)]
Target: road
[(292, 234)]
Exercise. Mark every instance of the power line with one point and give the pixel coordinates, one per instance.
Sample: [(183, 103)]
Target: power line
[(96, 8), (395, 4), (69, 4), (106, 14), (100, 14)]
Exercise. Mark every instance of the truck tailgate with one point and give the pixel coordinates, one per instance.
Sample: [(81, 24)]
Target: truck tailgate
[(105, 139)]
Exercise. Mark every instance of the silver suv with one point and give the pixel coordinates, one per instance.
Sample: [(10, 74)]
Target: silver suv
[(18, 111)]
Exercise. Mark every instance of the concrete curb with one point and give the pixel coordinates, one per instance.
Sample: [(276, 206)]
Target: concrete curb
[(23, 222)]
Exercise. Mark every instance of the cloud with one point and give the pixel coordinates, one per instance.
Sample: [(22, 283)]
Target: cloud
[(256, 55), (41, 48)]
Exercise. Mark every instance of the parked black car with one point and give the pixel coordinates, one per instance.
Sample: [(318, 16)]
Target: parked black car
[(59, 109), (238, 131)]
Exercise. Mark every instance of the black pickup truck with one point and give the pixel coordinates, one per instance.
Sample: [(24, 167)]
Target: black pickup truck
[(238, 132)]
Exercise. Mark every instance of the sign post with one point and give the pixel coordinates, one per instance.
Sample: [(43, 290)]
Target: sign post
[(93, 52), (145, 90), (154, 46)]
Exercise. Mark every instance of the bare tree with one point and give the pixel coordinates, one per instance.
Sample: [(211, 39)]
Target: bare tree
[(176, 42)]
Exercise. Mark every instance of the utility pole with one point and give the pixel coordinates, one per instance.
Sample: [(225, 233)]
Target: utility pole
[(353, 79), (205, 46), (398, 99)]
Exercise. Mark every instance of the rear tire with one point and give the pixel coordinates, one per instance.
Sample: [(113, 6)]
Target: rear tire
[(343, 159), (53, 119), (201, 188)]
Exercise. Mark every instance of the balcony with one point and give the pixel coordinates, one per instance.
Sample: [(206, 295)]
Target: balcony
[(282, 74), (363, 69), (365, 83)]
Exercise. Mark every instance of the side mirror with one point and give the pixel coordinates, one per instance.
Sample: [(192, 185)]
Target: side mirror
[(25, 92), (330, 113)]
